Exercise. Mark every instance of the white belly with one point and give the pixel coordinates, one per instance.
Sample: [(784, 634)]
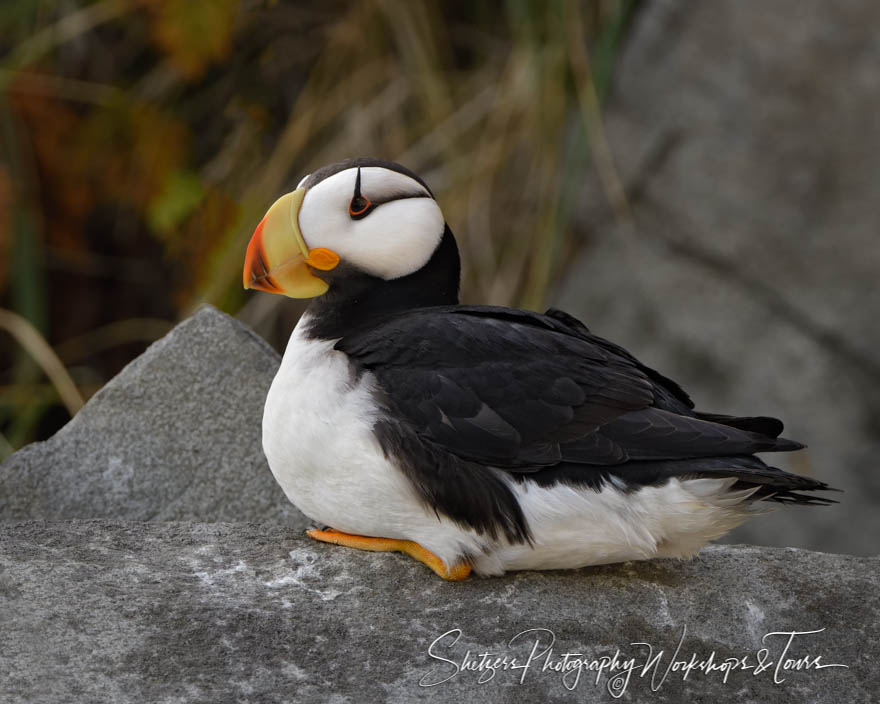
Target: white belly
[(575, 527)]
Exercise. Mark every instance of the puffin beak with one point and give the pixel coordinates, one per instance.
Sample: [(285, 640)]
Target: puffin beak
[(278, 260)]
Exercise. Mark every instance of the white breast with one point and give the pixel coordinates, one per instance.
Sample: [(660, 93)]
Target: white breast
[(317, 436)]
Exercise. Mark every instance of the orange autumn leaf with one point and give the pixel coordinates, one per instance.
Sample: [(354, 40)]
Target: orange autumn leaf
[(117, 149), (193, 33)]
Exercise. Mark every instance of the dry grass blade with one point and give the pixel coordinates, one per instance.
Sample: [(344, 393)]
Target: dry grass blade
[(72, 25), (37, 347), (6, 447), (51, 86), (120, 332), (588, 98)]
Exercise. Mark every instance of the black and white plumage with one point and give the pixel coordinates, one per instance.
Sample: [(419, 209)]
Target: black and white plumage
[(498, 437)]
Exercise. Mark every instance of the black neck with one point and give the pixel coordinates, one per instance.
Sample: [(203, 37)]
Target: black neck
[(357, 300)]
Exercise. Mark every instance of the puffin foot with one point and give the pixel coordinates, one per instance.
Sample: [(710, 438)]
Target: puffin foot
[(364, 542)]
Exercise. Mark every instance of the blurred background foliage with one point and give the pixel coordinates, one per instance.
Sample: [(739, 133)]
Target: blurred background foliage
[(142, 140)]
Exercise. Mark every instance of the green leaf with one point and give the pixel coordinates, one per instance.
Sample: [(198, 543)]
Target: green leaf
[(181, 194)]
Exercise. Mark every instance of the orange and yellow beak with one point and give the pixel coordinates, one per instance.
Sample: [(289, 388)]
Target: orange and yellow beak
[(278, 260)]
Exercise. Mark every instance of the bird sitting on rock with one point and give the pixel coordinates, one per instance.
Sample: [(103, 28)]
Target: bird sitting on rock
[(477, 437)]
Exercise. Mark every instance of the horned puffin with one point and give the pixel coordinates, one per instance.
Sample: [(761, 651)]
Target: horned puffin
[(477, 437)]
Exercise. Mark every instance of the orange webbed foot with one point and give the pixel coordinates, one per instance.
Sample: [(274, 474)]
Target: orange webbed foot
[(363, 542)]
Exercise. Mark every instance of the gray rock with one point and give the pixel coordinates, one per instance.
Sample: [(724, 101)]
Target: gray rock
[(175, 435), (747, 134), (134, 612)]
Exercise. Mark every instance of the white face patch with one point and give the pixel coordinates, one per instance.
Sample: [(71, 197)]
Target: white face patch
[(395, 239)]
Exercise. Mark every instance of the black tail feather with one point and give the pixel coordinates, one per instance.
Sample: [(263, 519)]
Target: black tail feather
[(784, 496), (773, 484), (764, 425)]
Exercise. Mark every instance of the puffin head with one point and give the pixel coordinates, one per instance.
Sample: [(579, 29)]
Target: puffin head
[(360, 224)]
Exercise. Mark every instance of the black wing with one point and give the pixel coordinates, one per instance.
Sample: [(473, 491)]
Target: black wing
[(522, 392)]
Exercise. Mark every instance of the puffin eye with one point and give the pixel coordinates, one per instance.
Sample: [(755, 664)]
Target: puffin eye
[(359, 207)]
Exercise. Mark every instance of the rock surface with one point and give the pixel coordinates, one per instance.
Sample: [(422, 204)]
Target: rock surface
[(134, 612), (746, 133), (176, 435)]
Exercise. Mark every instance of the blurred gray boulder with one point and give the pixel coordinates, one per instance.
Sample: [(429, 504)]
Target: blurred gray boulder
[(746, 265), (175, 435)]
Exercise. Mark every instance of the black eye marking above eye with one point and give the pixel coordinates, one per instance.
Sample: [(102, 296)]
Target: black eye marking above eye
[(360, 205)]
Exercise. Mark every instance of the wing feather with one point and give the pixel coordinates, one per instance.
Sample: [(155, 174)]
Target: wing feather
[(520, 391)]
